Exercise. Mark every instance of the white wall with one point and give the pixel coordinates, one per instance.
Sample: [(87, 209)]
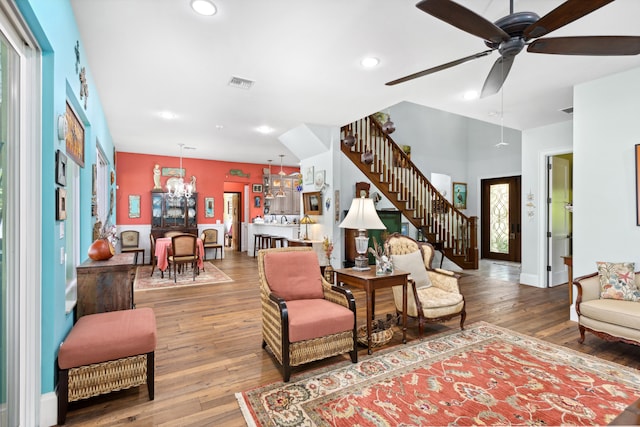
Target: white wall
[(537, 144), (606, 129)]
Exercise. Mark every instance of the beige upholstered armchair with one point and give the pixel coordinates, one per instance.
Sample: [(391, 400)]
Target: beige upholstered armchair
[(304, 318), (434, 295)]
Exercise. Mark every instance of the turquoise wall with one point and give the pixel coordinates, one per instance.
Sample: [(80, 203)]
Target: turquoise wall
[(54, 26)]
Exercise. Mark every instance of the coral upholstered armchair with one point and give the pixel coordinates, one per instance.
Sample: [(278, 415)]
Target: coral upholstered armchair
[(304, 318)]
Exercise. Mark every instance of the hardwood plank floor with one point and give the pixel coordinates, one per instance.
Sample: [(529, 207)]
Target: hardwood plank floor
[(209, 342)]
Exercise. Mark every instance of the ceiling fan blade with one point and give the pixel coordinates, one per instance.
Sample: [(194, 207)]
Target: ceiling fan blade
[(567, 12), (439, 67), (464, 19), (587, 45), (497, 76)]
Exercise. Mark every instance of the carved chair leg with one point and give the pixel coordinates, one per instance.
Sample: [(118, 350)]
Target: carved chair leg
[(463, 316), (581, 328), (63, 395)]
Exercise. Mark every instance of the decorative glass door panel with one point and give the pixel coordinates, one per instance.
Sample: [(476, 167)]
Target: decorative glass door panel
[(500, 220)]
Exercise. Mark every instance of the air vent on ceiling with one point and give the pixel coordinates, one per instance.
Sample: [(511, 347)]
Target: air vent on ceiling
[(240, 83), (568, 110)]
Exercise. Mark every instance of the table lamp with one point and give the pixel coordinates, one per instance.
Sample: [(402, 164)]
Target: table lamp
[(306, 220), (362, 216)]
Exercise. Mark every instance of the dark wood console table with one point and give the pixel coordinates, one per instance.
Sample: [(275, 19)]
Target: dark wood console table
[(369, 282), (105, 285)]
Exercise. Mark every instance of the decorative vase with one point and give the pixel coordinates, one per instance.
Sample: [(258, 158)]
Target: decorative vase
[(328, 274), (383, 266), (101, 250)]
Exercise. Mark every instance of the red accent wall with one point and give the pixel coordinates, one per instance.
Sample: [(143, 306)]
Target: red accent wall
[(134, 175)]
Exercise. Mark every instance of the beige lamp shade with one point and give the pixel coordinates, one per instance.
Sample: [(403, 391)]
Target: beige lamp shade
[(362, 215)]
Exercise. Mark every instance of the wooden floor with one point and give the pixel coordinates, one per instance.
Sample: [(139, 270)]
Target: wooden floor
[(209, 342)]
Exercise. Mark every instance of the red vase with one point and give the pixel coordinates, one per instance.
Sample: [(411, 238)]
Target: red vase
[(101, 250)]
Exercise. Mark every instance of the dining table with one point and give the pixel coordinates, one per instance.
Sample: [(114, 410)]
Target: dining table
[(163, 250)]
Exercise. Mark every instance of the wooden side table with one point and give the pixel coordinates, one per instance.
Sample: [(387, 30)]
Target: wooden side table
[(568, 261), (105, 285), (369, 282)]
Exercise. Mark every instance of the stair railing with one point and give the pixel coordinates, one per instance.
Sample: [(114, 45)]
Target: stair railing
[(391, 170)]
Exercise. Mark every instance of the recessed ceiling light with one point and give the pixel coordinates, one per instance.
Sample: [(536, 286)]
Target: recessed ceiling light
[(370, 62), (167, 115), (470, 95), (204, 7), (264, 129), (219, 127)]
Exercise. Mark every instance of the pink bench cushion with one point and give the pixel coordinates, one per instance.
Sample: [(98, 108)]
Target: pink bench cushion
[(293, 275), (108, 336), (314, 318)]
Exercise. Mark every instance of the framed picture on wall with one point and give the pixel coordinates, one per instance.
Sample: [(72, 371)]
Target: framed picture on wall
[(75, 137), (257, 188), (61, 168), (61, 204), (134, 206), (208, 207), (460, 195), (312, 203)]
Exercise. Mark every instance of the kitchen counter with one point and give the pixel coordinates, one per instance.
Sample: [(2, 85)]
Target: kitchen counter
[(288, 231)]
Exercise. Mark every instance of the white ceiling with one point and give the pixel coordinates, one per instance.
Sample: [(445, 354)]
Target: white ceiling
[(148, 56)]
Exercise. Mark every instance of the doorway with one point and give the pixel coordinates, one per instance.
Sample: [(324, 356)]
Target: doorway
[(501, 219), (559, 216), (232, 221)]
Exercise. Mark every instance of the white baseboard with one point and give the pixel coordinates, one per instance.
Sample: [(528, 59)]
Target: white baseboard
[(49, 409), (530, 279)]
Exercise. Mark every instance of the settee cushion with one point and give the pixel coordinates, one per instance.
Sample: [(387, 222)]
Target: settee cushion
[(622, 313), (617, 281), (308, 318), (293, 275), (414, 264)]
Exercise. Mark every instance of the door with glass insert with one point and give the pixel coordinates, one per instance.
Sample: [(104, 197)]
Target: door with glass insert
[(501, 238)]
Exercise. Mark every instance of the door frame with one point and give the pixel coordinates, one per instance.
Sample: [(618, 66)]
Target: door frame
[(547, 262)]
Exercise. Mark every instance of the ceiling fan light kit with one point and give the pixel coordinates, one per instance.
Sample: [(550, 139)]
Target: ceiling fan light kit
[(510, 34)]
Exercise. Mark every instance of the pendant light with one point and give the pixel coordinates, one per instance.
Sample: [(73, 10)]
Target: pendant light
[(269, 194), (280, 193)]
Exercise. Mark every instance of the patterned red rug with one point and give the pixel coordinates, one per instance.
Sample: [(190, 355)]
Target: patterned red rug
[(144, 281), (484, 375)]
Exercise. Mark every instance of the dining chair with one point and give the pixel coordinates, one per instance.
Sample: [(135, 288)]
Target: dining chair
[(183, 252), (153, 258), (130, 242), (210, 241)]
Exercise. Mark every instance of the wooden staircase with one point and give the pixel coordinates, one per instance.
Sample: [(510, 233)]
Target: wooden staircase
[(388, 167)]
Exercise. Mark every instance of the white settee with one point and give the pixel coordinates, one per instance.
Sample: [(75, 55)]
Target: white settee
[(609, 319)]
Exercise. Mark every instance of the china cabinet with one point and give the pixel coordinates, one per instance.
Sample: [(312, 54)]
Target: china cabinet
[(173, 214)]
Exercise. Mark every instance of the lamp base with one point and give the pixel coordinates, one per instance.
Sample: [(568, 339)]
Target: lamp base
[(361, 263)]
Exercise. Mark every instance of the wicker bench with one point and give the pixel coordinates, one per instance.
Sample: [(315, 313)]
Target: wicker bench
[(106, 352)]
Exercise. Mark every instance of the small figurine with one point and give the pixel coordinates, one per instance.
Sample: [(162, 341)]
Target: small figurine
[(156, 177), (193, 183)]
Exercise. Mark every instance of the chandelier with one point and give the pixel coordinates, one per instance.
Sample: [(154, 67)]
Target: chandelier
[(178, 188)]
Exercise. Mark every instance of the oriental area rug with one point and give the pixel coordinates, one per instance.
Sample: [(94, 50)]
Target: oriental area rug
[(210, 275), (484, 375)]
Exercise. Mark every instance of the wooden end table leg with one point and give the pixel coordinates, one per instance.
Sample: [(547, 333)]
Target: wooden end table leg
[(370, 314)]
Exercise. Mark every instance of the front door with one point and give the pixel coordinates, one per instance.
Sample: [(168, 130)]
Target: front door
[(500, 225)]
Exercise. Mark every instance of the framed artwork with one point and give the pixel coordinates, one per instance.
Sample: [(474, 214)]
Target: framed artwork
[(173, 172), (256, 202), (208, 207), (460, 195), (134, 206), (61, 204), (319, 179), (61, 168), (404, 228), (312, 203), (308, 175), (75, 137), (257, 188)]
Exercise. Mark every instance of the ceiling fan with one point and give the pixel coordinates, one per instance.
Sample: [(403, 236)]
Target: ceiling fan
[(510, 34)]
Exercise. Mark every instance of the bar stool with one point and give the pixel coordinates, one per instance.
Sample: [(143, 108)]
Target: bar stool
[(265, 241), (257, 242), (277, 241)]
